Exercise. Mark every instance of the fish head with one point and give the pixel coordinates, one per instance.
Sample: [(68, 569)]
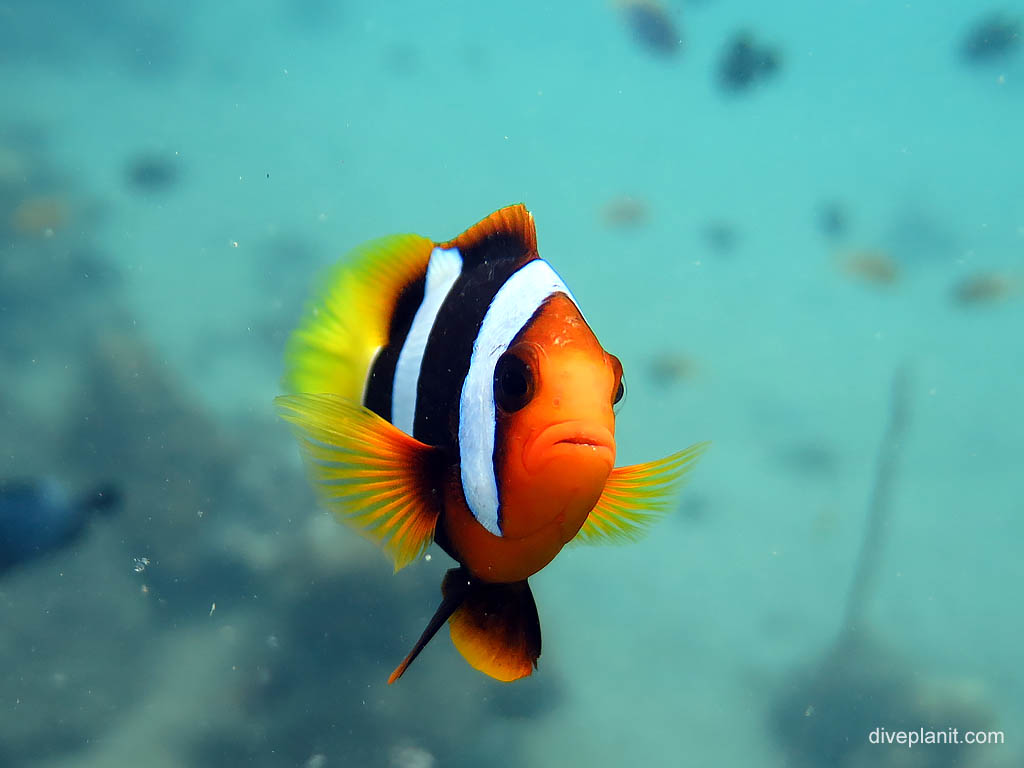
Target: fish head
[(555, 389)]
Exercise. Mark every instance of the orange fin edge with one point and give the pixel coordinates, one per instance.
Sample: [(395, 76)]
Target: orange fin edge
[(513, 219)]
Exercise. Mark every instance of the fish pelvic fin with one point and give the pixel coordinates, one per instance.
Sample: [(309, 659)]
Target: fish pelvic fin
[(636, 497), (450, 602), (370, 474), (345, 326), (495, 627)]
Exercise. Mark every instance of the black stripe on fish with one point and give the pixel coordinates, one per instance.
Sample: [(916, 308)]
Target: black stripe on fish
[(380, 385), (486, 267)]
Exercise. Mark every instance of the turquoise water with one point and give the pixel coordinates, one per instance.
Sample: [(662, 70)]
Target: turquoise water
[(173, 177)]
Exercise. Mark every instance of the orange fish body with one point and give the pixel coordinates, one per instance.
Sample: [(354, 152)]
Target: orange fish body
[(453, 392)]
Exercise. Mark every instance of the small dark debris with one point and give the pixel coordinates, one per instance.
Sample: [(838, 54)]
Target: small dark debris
[(833, 220), (652, 27), (625, 212), (402, 59), (721, 237), (670, 368), (984, 288), (476, 59), (808, 457), (992, 37), (694, 508), (744, 62), (152, 173)]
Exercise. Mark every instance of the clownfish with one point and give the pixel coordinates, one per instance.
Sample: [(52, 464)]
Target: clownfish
[(453, 393)]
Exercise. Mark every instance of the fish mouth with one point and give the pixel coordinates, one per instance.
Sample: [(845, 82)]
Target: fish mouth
[(570, 439), (580, 440)]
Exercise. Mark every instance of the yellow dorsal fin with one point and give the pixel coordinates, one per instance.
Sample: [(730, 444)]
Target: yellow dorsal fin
[(346, 325), (368, 472), (637, 496), (512, 220)]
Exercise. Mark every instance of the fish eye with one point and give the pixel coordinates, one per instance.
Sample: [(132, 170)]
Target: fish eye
[(513, 382), (620, 387)]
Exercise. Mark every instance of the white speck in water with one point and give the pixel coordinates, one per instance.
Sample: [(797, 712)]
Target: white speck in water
[(213, 607), (427, 557), (140, 564)]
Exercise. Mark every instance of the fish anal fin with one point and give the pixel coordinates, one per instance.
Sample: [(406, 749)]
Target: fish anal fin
[(637, 496), (513, 221), (369, 473), (496, 627)]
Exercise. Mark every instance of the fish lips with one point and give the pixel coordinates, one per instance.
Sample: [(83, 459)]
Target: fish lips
[(573, 440)]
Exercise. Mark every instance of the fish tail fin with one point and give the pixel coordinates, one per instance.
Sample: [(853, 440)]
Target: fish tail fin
[(494, 626), (349, 321)]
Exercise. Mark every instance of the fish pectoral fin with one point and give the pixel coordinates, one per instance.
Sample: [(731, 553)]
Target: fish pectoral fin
[(495, 627), (637, 496), (369, 473)]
